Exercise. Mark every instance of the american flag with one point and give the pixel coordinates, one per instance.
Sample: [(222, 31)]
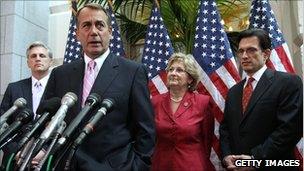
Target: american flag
[(157, 50), (73, 49), (262, 16), (116, 45), (217, 66)]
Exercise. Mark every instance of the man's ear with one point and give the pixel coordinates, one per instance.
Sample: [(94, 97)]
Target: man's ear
[(27, 61), (266, 54), (77, 33)]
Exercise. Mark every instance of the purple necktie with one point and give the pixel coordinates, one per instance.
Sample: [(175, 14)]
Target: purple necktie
[(88, 80)]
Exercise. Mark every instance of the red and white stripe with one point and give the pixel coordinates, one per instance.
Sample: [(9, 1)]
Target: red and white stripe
[(280, 59)]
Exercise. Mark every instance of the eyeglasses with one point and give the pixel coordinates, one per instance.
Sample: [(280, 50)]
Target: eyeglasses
[(178, 70), (249, 51)]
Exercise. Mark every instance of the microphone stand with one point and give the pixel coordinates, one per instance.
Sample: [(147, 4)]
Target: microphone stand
[(4, 126), (8, 140), (25, 151), (28, 155), (57, 134)]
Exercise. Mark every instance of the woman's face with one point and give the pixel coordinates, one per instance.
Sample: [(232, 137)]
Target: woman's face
[(177, 76)]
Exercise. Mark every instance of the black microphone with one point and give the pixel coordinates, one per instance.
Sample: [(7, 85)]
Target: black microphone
[(107, 106), (19, 103), (92, 101), (24, 117), (47, 108)]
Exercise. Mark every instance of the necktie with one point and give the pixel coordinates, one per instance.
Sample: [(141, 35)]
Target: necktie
[(88, 80), (37, 93), (247, 92)]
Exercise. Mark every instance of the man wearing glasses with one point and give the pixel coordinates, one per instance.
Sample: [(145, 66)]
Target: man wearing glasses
[(263, 113)]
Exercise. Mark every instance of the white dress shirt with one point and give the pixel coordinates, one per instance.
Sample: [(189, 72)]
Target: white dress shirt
[(37, 91), (257, 76)]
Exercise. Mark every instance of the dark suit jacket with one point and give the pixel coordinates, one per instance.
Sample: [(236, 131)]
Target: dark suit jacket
[(272, 124), (15, 90), (124, 139)]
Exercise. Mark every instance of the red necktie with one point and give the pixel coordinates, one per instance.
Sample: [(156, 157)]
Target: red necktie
[(247, 92)]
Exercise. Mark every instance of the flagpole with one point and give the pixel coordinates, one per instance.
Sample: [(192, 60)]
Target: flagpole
[(157, 4), (74, 6), (110, 3)]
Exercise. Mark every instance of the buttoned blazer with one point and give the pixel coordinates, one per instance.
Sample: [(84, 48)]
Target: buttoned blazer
[(272, 124), (124, 138), (184, 138)]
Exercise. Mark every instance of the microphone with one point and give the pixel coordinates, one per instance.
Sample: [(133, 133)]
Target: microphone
[(107, 106), (47, 108), (68, 100), (57, 134), (24, 117), (19, 103), (92, 101)]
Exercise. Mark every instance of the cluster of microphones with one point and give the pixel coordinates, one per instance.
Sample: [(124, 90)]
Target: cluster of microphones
[(49, 132)]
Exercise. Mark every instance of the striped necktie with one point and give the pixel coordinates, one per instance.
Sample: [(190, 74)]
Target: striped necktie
[(247, 92), (88, 80)]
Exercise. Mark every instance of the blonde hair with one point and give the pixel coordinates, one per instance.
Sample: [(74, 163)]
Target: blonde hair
[(190, 67)]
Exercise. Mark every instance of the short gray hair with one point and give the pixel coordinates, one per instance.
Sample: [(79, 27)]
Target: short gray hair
[(94, 6), (38, 44), (190, 67)]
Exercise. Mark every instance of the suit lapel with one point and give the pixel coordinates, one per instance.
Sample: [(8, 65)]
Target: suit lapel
[(27, 92), (106, 75), (166, 106), (263, 84), (184, 105), (238, 96), (76, 81)]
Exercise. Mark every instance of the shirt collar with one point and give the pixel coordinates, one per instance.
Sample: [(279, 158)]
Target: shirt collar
[(43, 81), (257, 75), (99, 60)]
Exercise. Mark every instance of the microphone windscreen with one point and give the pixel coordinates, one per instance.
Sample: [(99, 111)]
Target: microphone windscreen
[(51, 105), (25, 116), (20, 102)]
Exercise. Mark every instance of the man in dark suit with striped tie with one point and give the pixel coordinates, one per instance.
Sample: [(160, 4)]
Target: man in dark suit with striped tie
[(124, 139), (263, 113)]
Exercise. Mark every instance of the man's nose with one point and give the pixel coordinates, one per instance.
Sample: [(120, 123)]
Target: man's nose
[(94, 31)]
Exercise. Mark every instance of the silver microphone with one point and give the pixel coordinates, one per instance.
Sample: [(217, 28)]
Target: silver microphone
[(68, 100), (19, 103)]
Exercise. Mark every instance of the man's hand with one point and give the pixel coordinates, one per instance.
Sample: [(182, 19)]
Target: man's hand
[(245, 157), (229, 162)]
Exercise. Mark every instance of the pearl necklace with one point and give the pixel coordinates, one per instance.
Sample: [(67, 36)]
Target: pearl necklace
[(176, 100)]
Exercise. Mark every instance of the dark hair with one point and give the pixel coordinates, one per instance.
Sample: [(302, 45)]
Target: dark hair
[(38, 44), (262, 35), (97, 7)]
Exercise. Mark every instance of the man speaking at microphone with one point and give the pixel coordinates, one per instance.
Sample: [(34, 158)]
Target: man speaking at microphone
[(124, 139)]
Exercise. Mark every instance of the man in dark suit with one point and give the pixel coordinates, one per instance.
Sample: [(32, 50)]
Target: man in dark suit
[(262, 117), (124, 139), (39, 60)]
